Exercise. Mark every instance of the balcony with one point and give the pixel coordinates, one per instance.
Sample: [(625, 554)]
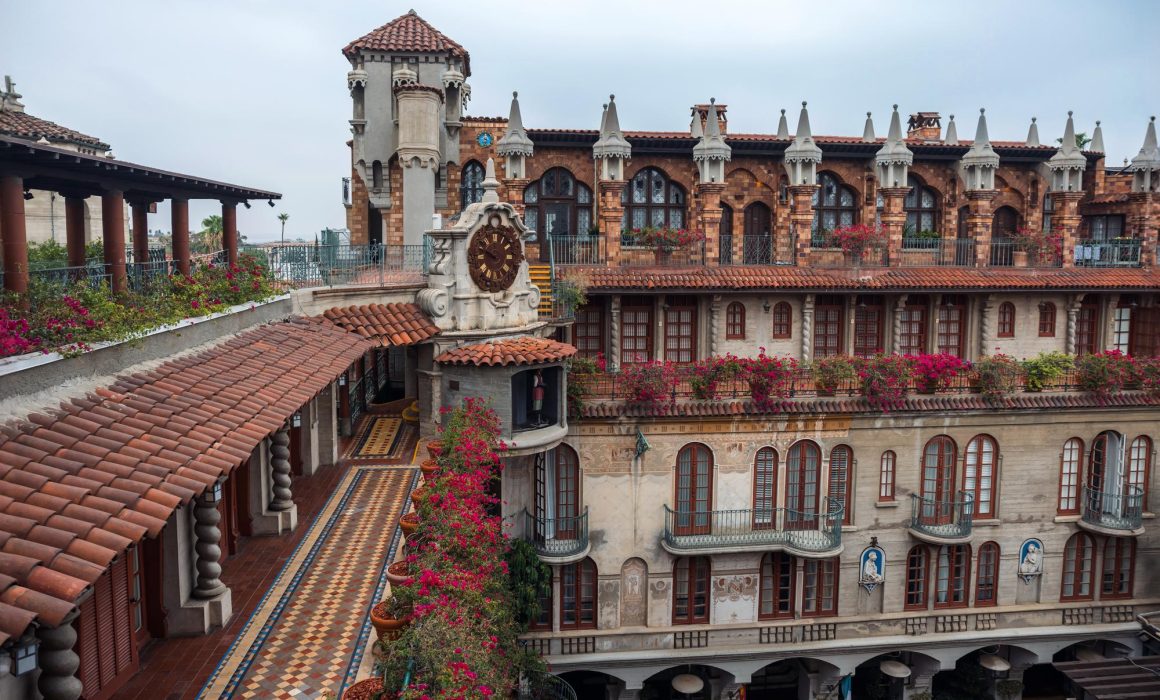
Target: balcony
[(1117, 252), (937, 252), (558, 540), (942, 522), (1006, 253), (306, 265), (1116, 514), (805, 534)]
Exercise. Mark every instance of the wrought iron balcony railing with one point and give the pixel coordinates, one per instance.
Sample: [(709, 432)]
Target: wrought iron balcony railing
[(557, 537), (758, 529), (1114, 511), (1119, 252), (949, 520)]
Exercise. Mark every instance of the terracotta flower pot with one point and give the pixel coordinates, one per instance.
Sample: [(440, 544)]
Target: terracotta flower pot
[(418, 495), (435, 448), (409, 523), (398, 573), (363, 690), (387, 628), (429, 469)]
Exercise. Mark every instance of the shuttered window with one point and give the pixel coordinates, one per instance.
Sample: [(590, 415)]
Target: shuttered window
[(105, 643)]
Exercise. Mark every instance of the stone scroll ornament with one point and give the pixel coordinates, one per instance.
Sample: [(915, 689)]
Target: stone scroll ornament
[(1030, 560), (872, 568)]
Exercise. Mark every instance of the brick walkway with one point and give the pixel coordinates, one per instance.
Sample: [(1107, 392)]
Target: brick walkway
[(300, 600)]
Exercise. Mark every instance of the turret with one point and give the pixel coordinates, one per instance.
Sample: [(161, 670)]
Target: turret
[(1145, 166), (1033, 134), (515, 145), (980, 163), (612, 149), (782, 127), (894, 159), (952, 137), (1097, 144), (868, 130), (711, 152), (1068, 163), (803, 155)]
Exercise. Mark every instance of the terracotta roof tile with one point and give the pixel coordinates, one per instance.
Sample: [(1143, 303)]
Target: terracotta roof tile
[(389, 324), (23, 125), (525, 350), (411, 34)]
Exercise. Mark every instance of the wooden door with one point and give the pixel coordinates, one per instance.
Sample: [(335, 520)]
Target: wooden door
[(801, 497), (938, 479), (694, 490)]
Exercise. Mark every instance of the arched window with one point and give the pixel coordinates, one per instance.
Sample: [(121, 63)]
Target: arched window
[(801, 498), (557, 205), (778, 583), (782, 321), (377, 175), (841, 468), (1003, 226), (694, 479), (1106, 478), (1119, 565), (953, 576), (1070, 468), (725, 235), (735, 321), (917, 569), (654, 200), (886, 476), (764, 488), (757, 243), (578, 595), (471, 184), (567, 489), (820, 587), (1139, 472), (921, 206), (1046, 319), (835, 205), (1077, 568), (691, 590), (987, 574), (981, 474), (1006, 320), (938, 481)]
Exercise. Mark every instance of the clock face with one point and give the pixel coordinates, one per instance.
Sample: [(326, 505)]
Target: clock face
[(484, 139), (494, 256)]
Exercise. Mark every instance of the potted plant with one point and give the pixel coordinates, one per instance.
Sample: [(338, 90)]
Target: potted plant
[(1036, 246), (409, 523), (366, 689), (855, 241), (664, 240), (1044, 369), (428, 468), (770, 379), (434, 447), (398, 573), (419, 494), (389, 619), (996, 377), (884, 380), (831, 372), (1105, 373), (706, 376), (570, 295), (934, 372)]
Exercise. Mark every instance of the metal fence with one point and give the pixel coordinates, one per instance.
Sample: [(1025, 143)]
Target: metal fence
[(1114, 253), (557, 537), (345, 265), (1114, 510), (806, 531), (577, 250), (946, 519), (1010, 254), (937, 252)]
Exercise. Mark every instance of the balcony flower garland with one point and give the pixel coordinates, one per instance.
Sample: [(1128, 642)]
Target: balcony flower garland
[(996, 377), (770, 379), (1105, 374), (831, 372), (1149, 371), (856, 240), (651, 384), (884, 380), (933, 373), (666, 239), (1041, 246), (706, 376)]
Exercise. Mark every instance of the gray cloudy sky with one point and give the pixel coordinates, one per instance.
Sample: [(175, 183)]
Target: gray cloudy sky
[(254, 91)]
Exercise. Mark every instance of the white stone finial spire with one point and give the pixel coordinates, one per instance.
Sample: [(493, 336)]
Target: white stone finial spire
[(490, 184), (894, 159), (711, 152), (782, 127), (1097, 144), (515, 141), (803, 155), (1068, 163), (1146, 165), (695, 128), (952, 137), (981, 161), (611, 149), (868, 130), (1033, 134)]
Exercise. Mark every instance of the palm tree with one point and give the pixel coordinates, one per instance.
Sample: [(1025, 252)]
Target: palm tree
[(1081, 139), (211, 233), (283, 217)]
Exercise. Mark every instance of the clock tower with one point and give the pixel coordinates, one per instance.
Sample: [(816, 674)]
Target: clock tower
[(478, 284)]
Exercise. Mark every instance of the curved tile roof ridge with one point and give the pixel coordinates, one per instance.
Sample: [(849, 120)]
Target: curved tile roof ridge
[(390, 325), (525, 350)]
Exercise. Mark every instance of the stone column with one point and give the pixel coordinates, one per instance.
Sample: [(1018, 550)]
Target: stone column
[(710, 199), (715, 330), (74, 228), (611, 217), (1144, 220), (613, 359), (209, 571), (893, 221), (986, 333), (280, 469), (896, 323), (58, 662), (801, 226), (1073, 306), (807, 328), (979, 218), (179, 210), (140, 214), (13, 234), (230, 231), (1066, 219), (113, 232)]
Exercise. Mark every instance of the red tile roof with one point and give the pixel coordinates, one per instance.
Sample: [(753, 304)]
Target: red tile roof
[(1108, 198), (389, 324), (525, 350), (23, 125), (80, 485), (744, 277), (408, 34)]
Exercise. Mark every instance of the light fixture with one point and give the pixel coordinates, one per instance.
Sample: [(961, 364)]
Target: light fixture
[(213, 494), (994, 662), (27, 195), (246, 205), (270, 202), (765, 305), (687, 683), (24, 656), (894, 668)]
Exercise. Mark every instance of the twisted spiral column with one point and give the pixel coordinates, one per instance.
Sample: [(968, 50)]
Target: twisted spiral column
[(58, 662), (714, 320), (986, 338), (613, 359), (280, 469), (205, 528), (1072, 322), (807, 328)]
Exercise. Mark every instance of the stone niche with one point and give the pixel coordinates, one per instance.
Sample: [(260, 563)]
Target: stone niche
[(509, 389)]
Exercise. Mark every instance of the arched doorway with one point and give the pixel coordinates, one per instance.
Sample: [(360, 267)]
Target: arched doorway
[(660, 685), (758, 241), (560, 206), (1003, 226), (590, 685), (726, 235)]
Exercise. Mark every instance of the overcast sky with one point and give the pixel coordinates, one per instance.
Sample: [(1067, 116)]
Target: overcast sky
[(254, 91)]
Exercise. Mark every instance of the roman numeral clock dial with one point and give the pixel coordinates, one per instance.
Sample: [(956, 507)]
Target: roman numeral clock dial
[(494, 255)]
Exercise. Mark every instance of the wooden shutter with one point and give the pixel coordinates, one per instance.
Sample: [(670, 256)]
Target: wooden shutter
[(106, 632), (122, 616), (87, 648)]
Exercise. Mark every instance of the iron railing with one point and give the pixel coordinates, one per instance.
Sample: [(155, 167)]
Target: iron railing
[(345, 265), (943, 519), (1007, 253), (577, 250), (557, 537), (937, 252), (636, 254), (1121, 252), (774, 527), (541, 685), (1115, 511), (757, 250), (826, 256)]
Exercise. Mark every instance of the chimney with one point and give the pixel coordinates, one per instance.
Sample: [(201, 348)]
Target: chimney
[(925, 126), (701, 112)]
